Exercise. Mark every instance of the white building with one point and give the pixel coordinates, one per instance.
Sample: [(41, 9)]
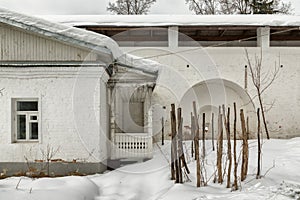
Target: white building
[(62, 93), (204, 59)]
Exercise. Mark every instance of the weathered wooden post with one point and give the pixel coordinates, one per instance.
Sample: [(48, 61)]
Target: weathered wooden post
[(246, 79), (197, 145), (162, 131), (227, 128), (174, 142), (244, 168), (203, 136), (180, 144), (247, 127), (220, 147), (212, 132), (247, 138), (172, 150), (173, 156), (180, 147), (235, 184), (193, 135)]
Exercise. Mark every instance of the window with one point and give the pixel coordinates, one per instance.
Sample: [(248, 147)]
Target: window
[(25, 125)]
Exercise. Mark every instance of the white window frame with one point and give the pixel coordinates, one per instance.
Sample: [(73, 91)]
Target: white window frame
[(28, 115)]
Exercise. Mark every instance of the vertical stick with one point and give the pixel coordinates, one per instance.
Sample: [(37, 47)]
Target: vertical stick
[(174, 141), (180, 147), (258, 143), (235, 184), (197, 145), (220, 147), (162, 131), (203, 135), (192, 148), (247, 127), (172, 150), (246, 78), (212, 132), (180, 139), (228, 149), (244, 169), (193, 134), (224, 115)]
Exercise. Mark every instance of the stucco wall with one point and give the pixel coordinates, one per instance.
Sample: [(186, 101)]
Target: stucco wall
[(72, 102), (186, 67)]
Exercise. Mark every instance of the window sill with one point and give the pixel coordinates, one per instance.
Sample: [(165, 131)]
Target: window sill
[(25, 141)]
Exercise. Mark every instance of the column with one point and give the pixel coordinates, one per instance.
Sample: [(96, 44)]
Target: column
[(263, 37), (173, 36)]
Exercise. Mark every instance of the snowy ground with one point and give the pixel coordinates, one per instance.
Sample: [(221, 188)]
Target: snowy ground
[(151, 180)]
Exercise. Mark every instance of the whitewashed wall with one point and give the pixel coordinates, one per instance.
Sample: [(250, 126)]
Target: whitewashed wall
[(72, 102), (228, 63)]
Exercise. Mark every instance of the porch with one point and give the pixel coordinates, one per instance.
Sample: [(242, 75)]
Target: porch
[(132, 145), (130, 115)]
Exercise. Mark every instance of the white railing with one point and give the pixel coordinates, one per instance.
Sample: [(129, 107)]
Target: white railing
[(132, 145)]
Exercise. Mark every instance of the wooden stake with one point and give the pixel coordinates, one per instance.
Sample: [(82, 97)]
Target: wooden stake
[(203, 136), (172, 150), (224, 115), (244, 168), (246, 78), (180, 144), (197, 146), (258, 145), (212, 132), (162, 131), (182, 156), (193, 134), (220, 147), (192, 148), (235, 183), (228, 148), (247, 128), (180, 147), (174, 141)]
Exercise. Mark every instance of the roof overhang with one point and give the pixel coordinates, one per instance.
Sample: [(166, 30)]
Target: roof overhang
[(174, 20), (99, 44)]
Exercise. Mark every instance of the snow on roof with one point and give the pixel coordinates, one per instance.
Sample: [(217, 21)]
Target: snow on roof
[(145, 65), (175, 20), (94, 41)]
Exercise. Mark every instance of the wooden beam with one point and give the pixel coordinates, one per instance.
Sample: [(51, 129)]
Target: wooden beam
[(183, 28), (213, 33), (285, 37), (140, 38), (217, 38)]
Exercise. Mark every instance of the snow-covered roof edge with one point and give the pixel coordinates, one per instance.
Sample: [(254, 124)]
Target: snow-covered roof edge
[(175, 20), (147, 66), (75, 36), (94, 41)]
